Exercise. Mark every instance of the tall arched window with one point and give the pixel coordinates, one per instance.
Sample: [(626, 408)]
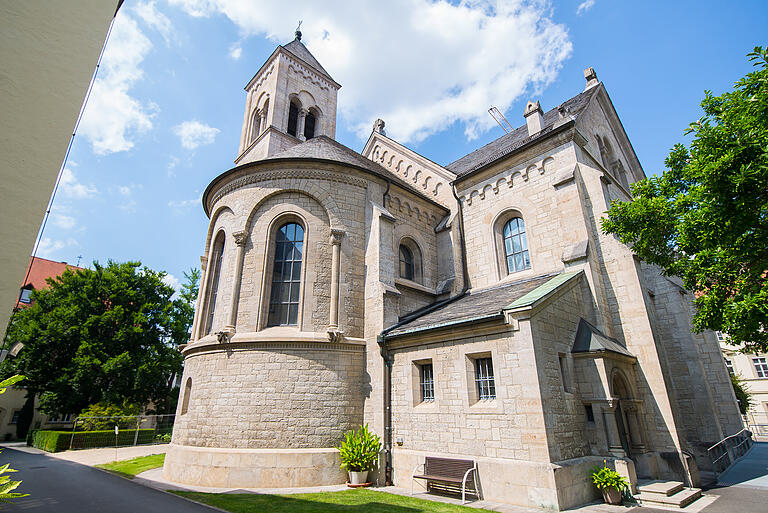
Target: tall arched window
[(213, 280), (293, 119), (406, 262), (286, 275), (516, 246), (255, 125), (309, 125)]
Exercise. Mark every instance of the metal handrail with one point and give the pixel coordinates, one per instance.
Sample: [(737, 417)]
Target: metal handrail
[(727, 451)]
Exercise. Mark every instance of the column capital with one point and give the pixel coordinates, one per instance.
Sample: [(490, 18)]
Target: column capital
[(240, 238), (336, 236)]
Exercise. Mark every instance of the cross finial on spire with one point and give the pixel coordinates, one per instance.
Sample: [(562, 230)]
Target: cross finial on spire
[(298, 32)]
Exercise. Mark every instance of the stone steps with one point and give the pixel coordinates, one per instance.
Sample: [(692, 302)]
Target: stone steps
[(666, 494)]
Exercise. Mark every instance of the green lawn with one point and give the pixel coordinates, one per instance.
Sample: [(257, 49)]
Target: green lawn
[(359, 500), (129, 468)]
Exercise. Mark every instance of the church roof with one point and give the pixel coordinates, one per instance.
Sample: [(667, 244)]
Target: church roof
[(324, 148), (297, 48), (476, 305), (589, 339), (509, 143)]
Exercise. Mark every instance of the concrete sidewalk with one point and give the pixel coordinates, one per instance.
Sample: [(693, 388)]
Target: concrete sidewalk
[(93, 457), (750, 471)]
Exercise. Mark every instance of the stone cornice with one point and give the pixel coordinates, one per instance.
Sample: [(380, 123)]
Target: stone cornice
[(256, 341), (258, 176)]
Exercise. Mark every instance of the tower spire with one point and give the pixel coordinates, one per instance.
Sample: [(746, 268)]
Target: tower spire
[(298, 32)]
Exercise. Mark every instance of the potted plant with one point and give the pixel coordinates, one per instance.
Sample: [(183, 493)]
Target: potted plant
[(610, 483), (359, 451)]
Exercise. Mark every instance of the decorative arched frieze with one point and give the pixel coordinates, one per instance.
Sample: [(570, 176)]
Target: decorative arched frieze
[(511, 179)]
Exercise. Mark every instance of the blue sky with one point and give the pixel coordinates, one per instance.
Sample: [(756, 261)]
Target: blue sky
[(166, 111)]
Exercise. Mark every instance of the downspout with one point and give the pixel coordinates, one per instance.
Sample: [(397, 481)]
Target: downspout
[(382, 340)]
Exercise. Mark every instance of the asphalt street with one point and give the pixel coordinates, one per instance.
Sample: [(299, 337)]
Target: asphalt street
[(62, 486)]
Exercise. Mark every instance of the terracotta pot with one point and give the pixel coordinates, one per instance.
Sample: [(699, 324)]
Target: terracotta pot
[(611, 495), (358, 477)]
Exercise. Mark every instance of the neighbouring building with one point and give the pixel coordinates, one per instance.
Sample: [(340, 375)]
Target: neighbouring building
[(12, 401), (49, 52), (752, 369), (472, 310)]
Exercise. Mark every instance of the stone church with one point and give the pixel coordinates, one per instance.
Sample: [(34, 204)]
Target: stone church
[(472, 310)]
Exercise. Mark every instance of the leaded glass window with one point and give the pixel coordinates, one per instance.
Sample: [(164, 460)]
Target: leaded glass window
[(213, 283), (286, 276), (293, 119), (486, 388), (309, 126), (516, 246), (406, 263), (427, 382)]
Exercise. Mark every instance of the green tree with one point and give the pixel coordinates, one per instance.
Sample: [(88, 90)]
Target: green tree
[(6, 484), (742, 393), (102, 335), (705, 219)]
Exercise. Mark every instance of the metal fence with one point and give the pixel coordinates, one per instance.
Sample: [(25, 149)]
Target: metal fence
[(725, 452), (90, 432), (757, 422)]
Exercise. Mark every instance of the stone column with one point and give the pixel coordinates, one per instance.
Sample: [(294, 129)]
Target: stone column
[(199, 302), (336, 237), (300, 124), (240, 239), (263, 125), (612, 430)]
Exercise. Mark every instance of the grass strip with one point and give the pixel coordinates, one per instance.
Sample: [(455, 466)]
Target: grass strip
[(129, 468), (361, 500)]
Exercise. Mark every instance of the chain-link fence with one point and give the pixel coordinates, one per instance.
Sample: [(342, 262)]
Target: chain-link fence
[(91, 432)]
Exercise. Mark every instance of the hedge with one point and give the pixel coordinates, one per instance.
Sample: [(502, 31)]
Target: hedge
[(57, 441)]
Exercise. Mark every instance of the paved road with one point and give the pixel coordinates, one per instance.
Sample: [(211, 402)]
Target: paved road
[(62, 486)]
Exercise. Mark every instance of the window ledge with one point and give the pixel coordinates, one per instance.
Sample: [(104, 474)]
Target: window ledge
[(426, 407), (413, 285), (487, 406)]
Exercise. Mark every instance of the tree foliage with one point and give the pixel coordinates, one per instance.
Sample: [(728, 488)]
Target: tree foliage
[(7, 486), (742, 393), (102, 335), (705, 219)]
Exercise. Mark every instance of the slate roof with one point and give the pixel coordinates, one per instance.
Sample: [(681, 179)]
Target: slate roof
[(509, 143), (298, 49), (324, 148), (475, 305), (589, 339)]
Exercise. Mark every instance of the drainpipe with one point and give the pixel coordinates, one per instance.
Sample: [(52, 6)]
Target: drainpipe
[(387, 410), (382, 340)]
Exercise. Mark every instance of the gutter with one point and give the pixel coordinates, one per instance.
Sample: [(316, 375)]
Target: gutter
[(389, 360)]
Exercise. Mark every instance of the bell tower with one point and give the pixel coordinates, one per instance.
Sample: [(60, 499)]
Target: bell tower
[(289, 100)]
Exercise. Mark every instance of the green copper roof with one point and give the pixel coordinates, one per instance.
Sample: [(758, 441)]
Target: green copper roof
[(543, 290)]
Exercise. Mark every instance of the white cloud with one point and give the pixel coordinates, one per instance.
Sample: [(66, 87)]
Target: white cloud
[(194, 134), (125, 190), (50, 248), (235, 51), (71, 188), (172, 281), (63, 221), (155, 20), (585, 6), (181, 204), (420, 65), (113, 117)]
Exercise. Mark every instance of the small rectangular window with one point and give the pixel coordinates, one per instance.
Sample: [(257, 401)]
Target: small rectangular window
[(486, 388), (589, 412), (427, 382), (761, 366), (721, 337), (26, 296), (729, 366), (15, 417)]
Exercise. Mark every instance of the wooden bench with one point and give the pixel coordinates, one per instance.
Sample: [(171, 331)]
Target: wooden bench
[(450, 472)]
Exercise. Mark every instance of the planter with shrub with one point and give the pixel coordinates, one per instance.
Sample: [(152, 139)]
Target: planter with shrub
[(610, 483), (359, 452)]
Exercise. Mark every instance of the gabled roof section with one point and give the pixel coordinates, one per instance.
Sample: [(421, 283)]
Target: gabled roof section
[(297, 48), (507, 144), (589, 339), (474, 306)]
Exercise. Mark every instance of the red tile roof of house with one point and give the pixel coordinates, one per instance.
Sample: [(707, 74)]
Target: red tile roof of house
[(42, 268)]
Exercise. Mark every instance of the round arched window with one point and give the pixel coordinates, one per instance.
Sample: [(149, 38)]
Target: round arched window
[(406, 263), (286, 275), (516, 246)]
